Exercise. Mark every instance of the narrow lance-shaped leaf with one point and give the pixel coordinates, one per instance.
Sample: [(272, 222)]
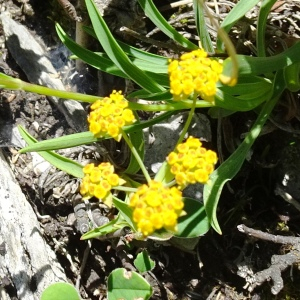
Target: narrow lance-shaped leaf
[(264, 11), (229, 168), (203, 34), (264, 65), (67, 165), (115, 52), (155, 16), (84, 138), (238, 11)]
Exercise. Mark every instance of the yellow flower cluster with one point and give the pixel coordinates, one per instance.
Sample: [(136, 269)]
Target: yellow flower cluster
[(98, 181), (156, 207), (109, 115), (194, 73), (191, 163)]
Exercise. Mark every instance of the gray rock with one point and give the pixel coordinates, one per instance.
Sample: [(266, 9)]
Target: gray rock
[(26, 259), (32, 59)]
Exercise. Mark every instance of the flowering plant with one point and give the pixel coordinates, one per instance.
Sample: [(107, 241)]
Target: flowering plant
[(195, 81), (154, 207)]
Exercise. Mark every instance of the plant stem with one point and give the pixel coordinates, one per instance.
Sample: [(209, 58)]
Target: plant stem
[(188, 121), (137, 157), (28, 87), (16, 84), (186, 104), (125, 189)]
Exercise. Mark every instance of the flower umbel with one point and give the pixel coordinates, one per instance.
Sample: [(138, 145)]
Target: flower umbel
[(156, 207), (194, 72), (109, 115), (191, 163), (98, 181)]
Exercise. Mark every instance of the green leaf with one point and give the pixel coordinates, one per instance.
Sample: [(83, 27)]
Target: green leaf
[(143, 262), (143, 55), (291, 77), (60, 291), (93, 59), (161, 235), (142, 94), (195, 223), (238, 11), (68, 141), (84, 138), (154, 15), (116, 54), (229, 168), (264, 65), (164, 174), (135, 52), (67, 165), (203, 34), (123, 284), (126, 212), (107, 228), (264, 11), (153, 67), (249, 93)]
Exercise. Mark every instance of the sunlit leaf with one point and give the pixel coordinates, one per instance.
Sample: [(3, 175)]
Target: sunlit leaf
[(67, 165), (155, 16), (231, 166), (124, 284), (115, 52)]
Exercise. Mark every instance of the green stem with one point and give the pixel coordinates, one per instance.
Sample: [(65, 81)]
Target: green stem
[(188, 122), (170, 184), (28, 87), (8, 82), (16, 84), (125, 189), (186, 104), (164, 174), (137, 157)]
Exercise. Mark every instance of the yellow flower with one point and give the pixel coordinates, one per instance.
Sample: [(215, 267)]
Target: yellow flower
[(193, 73), (191, 163), (156, 207), (109, 115), (98, 182)]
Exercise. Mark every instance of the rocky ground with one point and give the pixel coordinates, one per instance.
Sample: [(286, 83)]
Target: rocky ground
[(264, 195)]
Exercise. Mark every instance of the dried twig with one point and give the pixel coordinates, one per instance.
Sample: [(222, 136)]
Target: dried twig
[(278, 262), (278, 239), (70, 10)]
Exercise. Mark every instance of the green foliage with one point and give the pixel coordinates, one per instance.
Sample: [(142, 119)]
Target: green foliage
[(143, 262), (195, 223), (60, 291), (229, 168), (264, 11), (67, 165), (260, 82), (203, 33), (115, 52), (238, 12), (154, 15), (123, 284)]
